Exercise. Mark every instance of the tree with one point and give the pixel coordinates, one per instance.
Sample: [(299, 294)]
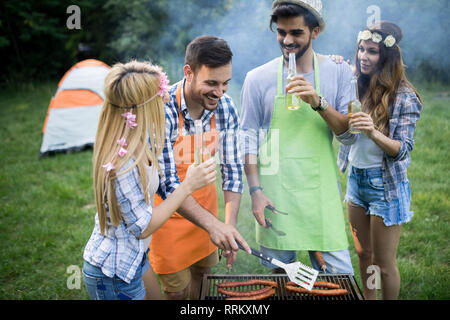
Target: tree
[(35, 42)]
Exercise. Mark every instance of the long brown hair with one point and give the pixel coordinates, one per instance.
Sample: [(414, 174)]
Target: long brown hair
[(378, 91), (127, 85)]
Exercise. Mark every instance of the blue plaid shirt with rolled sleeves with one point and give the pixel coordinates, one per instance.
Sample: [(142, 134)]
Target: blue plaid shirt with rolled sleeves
[(227, 123), (403, 116), (119, 252)]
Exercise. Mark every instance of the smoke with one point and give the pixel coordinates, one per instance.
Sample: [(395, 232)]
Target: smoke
[(245, 26), (424, 25), (246, 29)]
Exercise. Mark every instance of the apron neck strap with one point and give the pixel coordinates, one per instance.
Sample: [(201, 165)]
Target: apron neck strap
[(180, 115), (280, 77), (316, 76)]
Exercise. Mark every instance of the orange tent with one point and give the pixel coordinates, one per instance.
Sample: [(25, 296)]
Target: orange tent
[(72, 116)]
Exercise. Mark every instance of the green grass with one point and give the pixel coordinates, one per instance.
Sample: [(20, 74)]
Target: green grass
[(47, 206)]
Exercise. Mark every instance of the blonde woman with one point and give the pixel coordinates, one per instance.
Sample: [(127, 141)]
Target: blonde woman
[(126, 179)]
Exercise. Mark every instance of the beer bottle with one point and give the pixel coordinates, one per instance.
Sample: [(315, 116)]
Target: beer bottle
[(292, 101)]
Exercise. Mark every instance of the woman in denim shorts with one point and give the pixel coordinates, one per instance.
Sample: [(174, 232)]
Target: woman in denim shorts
[(126, 179), (378, 193)]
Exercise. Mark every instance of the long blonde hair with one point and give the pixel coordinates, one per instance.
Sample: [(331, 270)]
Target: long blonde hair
[(126, 85)]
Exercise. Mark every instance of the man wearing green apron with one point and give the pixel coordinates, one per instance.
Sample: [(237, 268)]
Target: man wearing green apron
[(289, 159)]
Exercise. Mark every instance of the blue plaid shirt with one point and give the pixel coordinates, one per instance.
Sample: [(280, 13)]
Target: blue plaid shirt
[(119, 252), (227, 123), (403, 116)]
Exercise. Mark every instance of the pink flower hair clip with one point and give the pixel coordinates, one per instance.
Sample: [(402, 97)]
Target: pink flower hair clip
[(108, 167), (131, 120), (122, 142), (163, 83)]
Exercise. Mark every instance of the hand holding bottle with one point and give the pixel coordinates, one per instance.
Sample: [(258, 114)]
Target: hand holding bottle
[(362, 122), (304, 90), (199, 176)]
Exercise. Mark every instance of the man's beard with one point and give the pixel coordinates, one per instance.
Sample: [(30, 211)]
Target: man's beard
[(299, 54), (199, 98)]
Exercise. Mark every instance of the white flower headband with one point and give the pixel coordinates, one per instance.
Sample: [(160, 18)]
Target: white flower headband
[(389, 41), (130, 122)]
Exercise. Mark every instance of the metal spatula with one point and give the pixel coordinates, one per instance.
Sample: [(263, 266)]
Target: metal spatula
[(297, 272)]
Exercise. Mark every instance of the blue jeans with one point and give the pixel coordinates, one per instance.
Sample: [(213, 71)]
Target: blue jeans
[(365, 189), (336, 261), (101, 287)]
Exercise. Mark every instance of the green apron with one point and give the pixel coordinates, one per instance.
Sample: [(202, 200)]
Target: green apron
[(306, 183)]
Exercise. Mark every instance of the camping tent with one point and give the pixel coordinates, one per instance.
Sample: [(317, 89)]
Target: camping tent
[(72, 116)]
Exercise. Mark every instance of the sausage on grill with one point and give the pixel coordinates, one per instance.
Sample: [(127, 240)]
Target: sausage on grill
[(247, 283), (243, 293), (330, 285), (331, 292), (321, 284), (261, 296)]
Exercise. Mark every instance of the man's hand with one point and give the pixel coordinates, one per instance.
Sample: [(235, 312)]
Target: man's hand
[(223, 235), (259, 203), (226, 236), (303, 89), (338, 59)]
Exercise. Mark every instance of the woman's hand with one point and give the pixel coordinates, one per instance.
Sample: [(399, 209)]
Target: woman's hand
[(196, 177), (202, 175), (362, 121), (166, 97)]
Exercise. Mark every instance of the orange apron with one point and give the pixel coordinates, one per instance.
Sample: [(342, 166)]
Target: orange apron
[(179, 243)]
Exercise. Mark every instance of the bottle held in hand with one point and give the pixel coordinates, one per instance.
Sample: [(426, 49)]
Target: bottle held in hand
[(206, 154), (198, 142), (292, 101), (354, 106), (201, 151)]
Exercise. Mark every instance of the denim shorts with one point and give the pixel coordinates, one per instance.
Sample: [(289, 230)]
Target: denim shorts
[(336, 261), (101, 287), (365, 188)]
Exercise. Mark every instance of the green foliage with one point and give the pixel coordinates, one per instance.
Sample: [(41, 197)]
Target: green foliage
[(34, 36), (35, 41)]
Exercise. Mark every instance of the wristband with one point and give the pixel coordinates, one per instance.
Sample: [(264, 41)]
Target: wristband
[(253, 189)]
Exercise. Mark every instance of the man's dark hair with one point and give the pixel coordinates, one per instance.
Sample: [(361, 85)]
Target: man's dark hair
[(209, 51), (287, 10)]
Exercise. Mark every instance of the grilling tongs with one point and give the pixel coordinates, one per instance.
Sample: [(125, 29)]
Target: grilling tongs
[(297, 272)]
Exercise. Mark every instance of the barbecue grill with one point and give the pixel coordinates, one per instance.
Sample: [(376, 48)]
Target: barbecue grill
[(346, 281)]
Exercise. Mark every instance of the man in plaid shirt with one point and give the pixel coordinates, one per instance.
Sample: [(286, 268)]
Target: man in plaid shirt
[(199, 96)]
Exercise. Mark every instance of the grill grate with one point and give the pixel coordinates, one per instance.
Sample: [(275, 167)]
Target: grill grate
[(346, 281)]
